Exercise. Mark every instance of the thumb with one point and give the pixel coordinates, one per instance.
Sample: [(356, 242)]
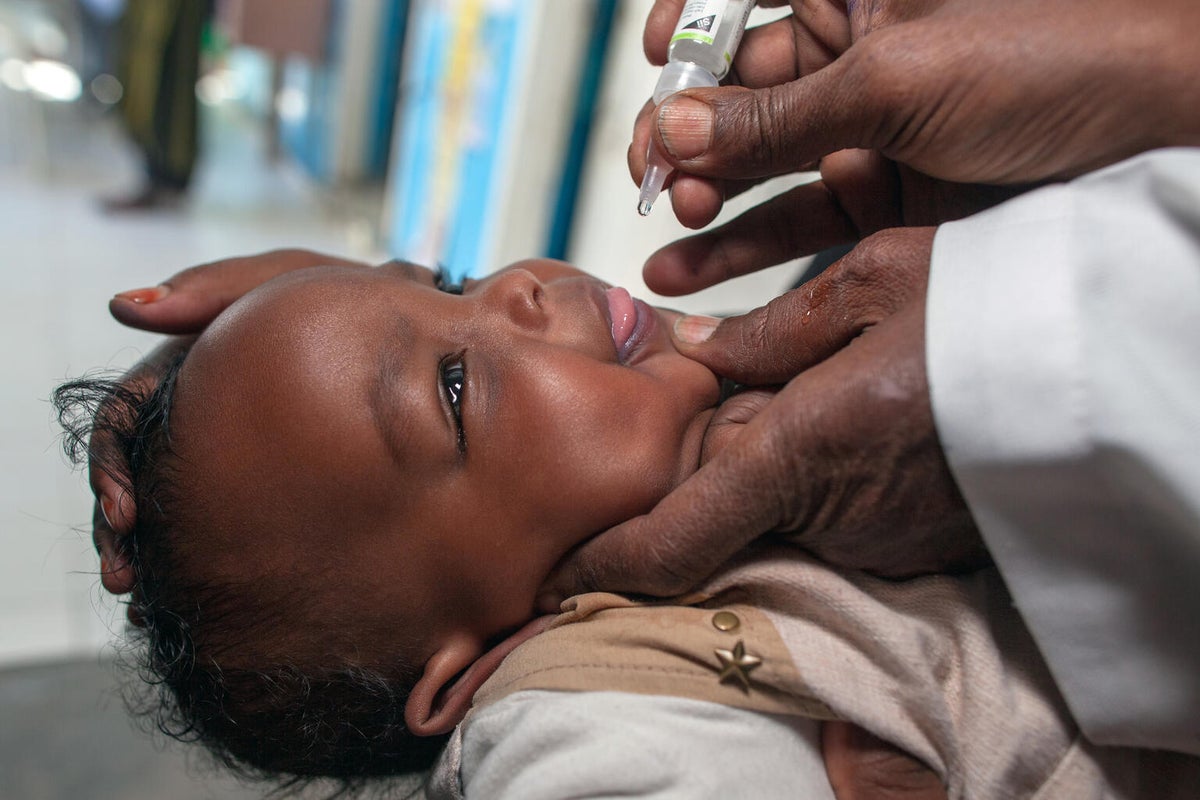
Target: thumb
[(797, 330), (769, 345), (736, 132)]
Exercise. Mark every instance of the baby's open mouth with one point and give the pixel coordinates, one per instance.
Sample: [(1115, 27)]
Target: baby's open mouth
[(632, 322)]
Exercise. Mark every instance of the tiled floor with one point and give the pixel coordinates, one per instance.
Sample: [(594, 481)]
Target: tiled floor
[(64, 734)]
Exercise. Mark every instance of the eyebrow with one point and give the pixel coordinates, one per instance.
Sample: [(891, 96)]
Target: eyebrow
[(413, 272), (386, 411)]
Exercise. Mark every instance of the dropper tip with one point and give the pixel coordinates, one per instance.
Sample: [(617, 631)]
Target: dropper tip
[(644, 208)]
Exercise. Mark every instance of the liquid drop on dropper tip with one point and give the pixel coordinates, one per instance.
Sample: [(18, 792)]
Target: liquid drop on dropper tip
[(652, 182)]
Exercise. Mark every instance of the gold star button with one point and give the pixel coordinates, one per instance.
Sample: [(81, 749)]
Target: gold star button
[(736, 664)]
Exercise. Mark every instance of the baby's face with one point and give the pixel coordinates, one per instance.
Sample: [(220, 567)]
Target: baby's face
[(394, 446)]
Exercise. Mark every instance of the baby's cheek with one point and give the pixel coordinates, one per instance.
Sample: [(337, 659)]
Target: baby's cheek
[(696, 386)]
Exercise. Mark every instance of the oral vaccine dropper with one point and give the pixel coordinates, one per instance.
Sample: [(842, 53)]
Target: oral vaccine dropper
[(701, 51)]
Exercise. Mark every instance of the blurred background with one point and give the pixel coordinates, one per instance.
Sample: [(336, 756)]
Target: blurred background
[(139, 137)]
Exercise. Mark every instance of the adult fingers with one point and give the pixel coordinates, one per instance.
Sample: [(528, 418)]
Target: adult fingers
[(888, 503), (861, 766), (115, 511), (771, 53), (189, 300), (697, 201), (775, 342), (798, 222), (876, 96), (879, 193), (660, 24), (729, 420), (735, 132), (793, 46), (867, 186), (916, 91), (845, 458), (861, 192), (741, 493)]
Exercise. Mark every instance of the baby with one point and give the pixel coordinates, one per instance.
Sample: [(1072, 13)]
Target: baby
[(337, 509), (352, 486)]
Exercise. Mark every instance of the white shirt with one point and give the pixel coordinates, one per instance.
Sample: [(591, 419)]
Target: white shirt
[(1063, 338), (540, 745)]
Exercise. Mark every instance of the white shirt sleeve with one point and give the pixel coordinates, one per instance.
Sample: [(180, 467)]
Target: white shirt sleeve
[(1063, 346), (542, 745)]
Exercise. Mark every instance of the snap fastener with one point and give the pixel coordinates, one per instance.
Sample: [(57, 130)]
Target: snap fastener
[(726, 621)]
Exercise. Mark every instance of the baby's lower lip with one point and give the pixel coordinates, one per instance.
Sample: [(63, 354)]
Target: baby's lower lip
[(632, 321)]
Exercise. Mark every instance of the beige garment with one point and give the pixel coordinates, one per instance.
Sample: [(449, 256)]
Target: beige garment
[(940, 666)]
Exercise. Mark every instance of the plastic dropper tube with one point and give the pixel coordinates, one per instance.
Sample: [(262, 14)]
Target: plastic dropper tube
[(702, 48)]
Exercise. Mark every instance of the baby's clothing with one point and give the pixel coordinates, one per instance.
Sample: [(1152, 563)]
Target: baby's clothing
[(550, 745), (940, 666)]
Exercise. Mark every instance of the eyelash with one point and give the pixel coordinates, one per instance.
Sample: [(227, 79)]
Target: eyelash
[(453, 375), (442, 282)]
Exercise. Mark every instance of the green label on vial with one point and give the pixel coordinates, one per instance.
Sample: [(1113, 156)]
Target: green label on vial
[(699, 20), (695, 36)]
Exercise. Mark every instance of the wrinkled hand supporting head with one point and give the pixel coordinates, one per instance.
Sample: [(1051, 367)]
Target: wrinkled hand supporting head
[(98, 426), (844, 457)]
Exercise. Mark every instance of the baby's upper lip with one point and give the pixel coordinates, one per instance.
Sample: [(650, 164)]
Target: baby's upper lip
[(597, 292)]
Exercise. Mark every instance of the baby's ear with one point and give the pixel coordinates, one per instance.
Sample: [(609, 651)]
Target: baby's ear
[(112, 521), (441, 698), (453, 674)]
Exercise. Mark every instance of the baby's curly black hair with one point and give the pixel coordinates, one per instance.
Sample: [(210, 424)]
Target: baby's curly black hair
[(290, 720)]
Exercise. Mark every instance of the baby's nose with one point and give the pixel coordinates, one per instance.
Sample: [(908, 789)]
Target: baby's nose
[(519, 295)]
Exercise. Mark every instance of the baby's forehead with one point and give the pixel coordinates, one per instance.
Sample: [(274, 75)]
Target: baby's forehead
[(273, 410), (288, 307), (297, 355), (314, 290)]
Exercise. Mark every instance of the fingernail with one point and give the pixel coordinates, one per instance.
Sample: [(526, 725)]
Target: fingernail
[(151, 294), (695, 328), (685, 126)]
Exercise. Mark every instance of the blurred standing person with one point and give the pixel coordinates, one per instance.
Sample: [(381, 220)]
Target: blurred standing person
[(159, 64), (99, 20)]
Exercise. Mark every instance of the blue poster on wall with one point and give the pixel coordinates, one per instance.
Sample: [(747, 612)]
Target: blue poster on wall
[(454, 102)]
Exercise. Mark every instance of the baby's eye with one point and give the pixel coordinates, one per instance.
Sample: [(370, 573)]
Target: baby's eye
[(443, 282), (454, 378)]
